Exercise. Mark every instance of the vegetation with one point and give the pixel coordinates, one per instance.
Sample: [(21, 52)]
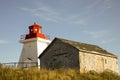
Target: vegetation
[(7, 73)]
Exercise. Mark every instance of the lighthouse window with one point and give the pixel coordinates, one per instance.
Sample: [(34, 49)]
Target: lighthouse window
[(40, 31), (31, 29), (35, 29)]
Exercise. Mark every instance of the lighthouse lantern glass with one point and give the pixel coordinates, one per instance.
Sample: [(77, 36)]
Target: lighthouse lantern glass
[(40, 31)]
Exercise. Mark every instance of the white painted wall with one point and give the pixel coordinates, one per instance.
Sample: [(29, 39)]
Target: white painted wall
[(41, 46), (32, 48)]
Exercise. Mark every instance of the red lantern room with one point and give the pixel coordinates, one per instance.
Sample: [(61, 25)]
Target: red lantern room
[(35, 31)]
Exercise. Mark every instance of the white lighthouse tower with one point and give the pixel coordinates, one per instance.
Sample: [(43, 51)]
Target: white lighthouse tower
[(34, 44)]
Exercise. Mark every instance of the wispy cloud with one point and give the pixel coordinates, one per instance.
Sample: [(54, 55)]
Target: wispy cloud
[(93, 4), (49, 14), (81, 22), (3, 42), (45, 13), (97, 3), (97, 8), (107, 40), (102, 36), (96, 34)]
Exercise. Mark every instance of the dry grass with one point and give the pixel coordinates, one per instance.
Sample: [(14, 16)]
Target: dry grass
[(58, 74)]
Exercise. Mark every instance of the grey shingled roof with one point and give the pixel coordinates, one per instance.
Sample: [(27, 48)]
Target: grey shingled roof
[(85, 46)]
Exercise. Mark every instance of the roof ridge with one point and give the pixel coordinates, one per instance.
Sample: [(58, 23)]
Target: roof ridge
[(78, 42), (85, 46)]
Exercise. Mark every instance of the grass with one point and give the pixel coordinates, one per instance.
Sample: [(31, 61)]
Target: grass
[(7, 73)]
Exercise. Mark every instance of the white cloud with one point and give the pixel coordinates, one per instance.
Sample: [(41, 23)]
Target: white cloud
[(81, 22), (97, 34), (101, 36), (96, 3), (49, 14), (44, 12), (93, 4), (3, 42), (108, 40)]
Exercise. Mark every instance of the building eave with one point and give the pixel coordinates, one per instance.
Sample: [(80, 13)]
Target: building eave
[(34, 39), (98, 53)]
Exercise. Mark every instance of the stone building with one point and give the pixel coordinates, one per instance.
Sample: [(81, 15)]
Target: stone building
[(82, 56)]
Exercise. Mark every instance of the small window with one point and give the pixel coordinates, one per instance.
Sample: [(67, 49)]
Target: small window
[(31, 29), (105, 61), (35, 29), (54, 59), (65, 55), (40, 31)]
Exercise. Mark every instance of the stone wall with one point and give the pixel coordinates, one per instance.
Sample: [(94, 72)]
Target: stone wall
[(98, 63), (60, 54)]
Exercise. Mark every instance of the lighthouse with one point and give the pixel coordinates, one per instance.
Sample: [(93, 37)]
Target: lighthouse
[(34, 44)]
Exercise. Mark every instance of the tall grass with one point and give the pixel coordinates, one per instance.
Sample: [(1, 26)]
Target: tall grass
[(7, 73)]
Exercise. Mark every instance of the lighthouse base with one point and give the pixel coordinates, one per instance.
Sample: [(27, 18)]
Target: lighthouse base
[(32, 48)]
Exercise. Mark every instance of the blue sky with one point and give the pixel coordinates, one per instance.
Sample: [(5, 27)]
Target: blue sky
[(90, 21)]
